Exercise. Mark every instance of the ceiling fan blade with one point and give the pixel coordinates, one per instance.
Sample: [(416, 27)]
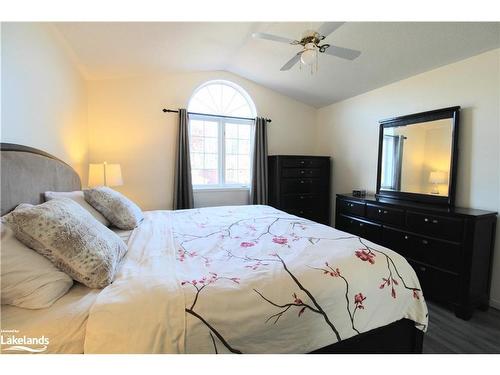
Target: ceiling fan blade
[(274, 38), (290, 63), (344, 53), (329, 27)]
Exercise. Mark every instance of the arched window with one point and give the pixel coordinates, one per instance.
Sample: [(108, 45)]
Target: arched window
[(222, 98), (220, 145)]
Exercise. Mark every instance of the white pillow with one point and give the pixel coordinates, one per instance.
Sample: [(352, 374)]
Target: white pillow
[(28, 279), (78, 197)]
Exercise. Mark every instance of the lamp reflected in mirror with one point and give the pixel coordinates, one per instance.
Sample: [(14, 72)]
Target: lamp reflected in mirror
[(436, 178)]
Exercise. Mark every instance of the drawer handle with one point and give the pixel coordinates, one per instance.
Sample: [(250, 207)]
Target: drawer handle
[(425, 242), (422, 268), (361, 224), (435, 221), (379, 211), (301, 197), (302, 162), (301, 181), (350, 205), (385, 211), (351, 221), (406, 237), (301, 172), (426, 220)]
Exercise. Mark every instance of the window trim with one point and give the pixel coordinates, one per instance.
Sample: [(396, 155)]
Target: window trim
[(221, 160)]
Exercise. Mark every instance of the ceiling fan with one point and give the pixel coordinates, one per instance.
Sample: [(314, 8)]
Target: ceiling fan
[(311, 45)]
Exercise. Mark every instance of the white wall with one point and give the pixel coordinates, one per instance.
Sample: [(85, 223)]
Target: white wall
[(348, 131), (44, 103), (127, 126)]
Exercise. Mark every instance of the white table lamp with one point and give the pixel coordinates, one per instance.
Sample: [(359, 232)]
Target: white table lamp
[(105, 174)]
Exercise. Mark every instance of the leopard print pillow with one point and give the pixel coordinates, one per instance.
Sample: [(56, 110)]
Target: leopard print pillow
[(71, 238), (118, 209)]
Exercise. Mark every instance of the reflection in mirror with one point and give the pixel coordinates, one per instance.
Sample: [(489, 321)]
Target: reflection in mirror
[(416, 158)]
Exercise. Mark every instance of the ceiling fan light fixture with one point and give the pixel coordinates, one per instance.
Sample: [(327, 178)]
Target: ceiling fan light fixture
[(310, 54)]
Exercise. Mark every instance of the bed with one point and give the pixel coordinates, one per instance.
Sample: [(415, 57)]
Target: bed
[(246, 279)]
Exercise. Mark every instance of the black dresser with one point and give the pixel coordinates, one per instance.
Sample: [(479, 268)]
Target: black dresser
[(300, 185), (449, 248)]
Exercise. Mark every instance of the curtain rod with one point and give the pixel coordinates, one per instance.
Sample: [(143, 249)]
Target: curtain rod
[(395, 136), (218, 116)]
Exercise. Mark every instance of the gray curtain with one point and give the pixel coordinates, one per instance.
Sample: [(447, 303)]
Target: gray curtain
[(258, 192), (183, 188), (398, 162), (393, 161)]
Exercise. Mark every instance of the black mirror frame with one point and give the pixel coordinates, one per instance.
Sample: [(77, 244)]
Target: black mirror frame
[(438, 114)]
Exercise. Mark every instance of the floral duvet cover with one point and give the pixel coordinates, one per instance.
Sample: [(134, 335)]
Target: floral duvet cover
[(248, 279)]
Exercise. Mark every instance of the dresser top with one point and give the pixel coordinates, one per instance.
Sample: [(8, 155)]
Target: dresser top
[(372, 198)]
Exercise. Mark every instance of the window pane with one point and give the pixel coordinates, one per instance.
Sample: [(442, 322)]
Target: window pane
[(196, 160), (197, 177), (231, 130), (244, 131), (221, 98), (204, 176), (196, 144), (211, 129), (231, 146), (211, 161), (196, 127), (243, 161), (243, 176), (203, 139), (244, 147), (231, 176), (239, 107), (237, 146), (211, 176), (211, 145), (231, 162)]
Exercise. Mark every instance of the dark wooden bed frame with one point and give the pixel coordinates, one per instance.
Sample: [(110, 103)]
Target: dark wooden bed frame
[(399, 337)]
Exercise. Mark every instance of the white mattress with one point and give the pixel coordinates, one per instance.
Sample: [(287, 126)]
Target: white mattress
[(64, 323)]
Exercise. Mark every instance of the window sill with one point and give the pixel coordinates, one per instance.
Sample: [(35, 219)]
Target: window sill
[(198, 189)]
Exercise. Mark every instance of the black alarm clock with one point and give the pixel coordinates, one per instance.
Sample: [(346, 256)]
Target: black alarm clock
[(358, 192)]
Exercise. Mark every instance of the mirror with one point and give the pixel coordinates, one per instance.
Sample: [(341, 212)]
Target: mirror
[(417, 156)]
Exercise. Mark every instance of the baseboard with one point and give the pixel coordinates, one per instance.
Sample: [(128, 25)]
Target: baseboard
[(495, 304)]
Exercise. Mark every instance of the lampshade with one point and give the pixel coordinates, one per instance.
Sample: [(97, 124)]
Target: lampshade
[(438, 177), (105, 174), (309, 55)]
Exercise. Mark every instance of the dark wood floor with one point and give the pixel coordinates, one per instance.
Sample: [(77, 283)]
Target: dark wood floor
[(449, 334)]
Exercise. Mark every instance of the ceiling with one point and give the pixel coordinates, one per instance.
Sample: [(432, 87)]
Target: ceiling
[(391, 51)]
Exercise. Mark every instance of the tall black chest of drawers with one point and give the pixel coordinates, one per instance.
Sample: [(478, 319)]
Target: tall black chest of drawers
[(450, 249), (300, 185)]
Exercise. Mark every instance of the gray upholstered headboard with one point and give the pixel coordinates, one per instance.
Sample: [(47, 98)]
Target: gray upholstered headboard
[(27, 173)]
